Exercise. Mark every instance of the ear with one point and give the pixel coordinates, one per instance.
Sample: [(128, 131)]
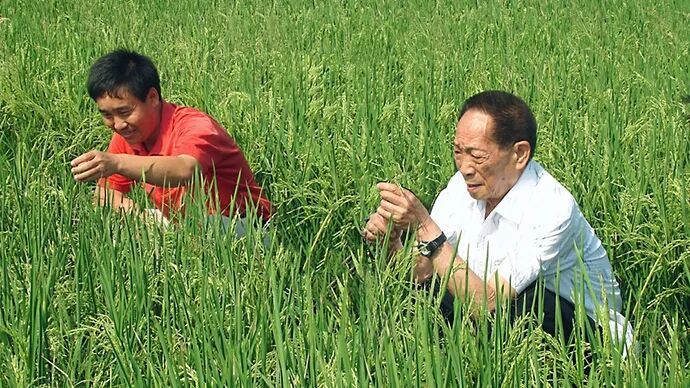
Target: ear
[(522, 151), (152, 96)]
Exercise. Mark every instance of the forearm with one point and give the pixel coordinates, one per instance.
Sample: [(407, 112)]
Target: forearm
[(157, 170), (463, 284), (406, 211)]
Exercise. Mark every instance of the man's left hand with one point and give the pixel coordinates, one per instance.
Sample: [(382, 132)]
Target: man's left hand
[(401, 206), (94, 165)]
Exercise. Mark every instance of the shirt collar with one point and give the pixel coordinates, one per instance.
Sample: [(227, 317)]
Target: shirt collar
[(514, 204)]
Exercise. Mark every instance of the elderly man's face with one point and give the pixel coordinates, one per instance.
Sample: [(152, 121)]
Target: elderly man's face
[(489, 170)]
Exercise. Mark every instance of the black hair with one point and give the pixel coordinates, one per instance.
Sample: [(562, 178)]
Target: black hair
[(123, 69), (513, 121)]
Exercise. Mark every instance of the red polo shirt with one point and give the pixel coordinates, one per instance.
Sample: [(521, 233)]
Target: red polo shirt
[(190, 132)]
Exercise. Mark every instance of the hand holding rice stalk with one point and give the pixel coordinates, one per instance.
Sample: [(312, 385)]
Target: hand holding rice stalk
[(399, 210), (401, 206), (380, 228)]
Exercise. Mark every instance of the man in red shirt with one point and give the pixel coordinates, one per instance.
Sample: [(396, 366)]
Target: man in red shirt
[(162, 145)]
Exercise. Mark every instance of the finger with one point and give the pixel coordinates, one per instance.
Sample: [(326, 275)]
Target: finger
[(369, 237), (378, 225), (393, 188), (87, 176), (373, 228), (372, 216), (88, 171), (396, 190), (387, 214), (394, 198), (374, 232), (82, 158), (378, 219), (395, 210), (367, 223), (84, 167)]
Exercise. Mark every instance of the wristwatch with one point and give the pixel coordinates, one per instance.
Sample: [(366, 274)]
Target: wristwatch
[(427, 248)]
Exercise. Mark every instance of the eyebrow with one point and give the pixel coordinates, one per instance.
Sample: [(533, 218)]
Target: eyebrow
[(116, 109), (468, 149)]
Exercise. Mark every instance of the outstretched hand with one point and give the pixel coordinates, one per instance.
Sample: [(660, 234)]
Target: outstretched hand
[(93, 165)]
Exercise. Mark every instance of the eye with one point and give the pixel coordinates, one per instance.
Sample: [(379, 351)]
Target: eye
[(478, 156)]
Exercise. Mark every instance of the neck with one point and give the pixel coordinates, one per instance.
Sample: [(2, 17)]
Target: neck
[(489, 207), (492, 203), (148, 143)]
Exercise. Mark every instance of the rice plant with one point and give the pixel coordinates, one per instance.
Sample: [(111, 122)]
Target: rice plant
[(326, 99)]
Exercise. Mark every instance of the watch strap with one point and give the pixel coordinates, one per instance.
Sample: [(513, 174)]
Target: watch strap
[(427, 248)]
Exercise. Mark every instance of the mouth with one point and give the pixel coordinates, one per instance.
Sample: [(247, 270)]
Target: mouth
[(128, 133), (473, 187)]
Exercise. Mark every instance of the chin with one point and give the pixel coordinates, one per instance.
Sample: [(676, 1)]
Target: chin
[(476, 196)]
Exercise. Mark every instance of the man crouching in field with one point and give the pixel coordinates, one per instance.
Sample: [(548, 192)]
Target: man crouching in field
[(504, 228), (161, 145)]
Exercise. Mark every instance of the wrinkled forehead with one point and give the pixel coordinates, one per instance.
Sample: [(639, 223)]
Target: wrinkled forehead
[(474, 130)]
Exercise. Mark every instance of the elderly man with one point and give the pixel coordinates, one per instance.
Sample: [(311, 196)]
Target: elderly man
[(162, 145), (503, 225)]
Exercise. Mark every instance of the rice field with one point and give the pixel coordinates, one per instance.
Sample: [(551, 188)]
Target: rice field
[(326, 99)]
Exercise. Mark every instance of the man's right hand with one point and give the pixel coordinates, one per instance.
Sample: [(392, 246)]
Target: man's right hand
[(94, 165), (376, 229)]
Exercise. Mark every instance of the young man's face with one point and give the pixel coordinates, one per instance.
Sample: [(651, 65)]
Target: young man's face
[(489, 170), (135, 120)]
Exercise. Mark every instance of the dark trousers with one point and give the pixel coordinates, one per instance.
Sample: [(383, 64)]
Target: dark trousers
[(541, 303), (551, 310)]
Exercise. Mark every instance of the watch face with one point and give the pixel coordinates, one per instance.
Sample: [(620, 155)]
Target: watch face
[(424, 250), (427, 248)]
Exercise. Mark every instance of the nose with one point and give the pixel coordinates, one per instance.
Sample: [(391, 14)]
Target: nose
[(119, 124), (465, 166)]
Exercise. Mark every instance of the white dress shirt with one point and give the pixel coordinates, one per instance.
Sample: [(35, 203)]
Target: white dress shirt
[(536, 230)]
